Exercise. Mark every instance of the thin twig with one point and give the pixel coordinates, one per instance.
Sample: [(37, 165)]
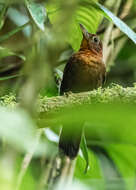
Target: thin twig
[(66, 173), (116, 32), (108, 35), (27, 159), (11, 33), (46, 176), (126, 9)]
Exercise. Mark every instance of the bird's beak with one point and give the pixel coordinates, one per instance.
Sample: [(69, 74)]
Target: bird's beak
[(84, 31)]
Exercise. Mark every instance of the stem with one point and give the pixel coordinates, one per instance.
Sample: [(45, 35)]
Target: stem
[(27, 160), (11, 33), (107, 36), (2, 15)]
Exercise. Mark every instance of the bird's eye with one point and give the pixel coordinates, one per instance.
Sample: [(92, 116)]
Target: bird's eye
[(95, 39)]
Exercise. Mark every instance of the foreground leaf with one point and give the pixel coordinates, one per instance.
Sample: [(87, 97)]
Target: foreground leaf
[(16, 125), (124, 159), (38, 13), (84, 14), (12, 32), (9, 77), (84, 149), (104, 122), (4, 52)]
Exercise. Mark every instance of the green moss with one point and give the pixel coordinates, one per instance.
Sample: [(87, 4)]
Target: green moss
[(110, 94), (8, 100)]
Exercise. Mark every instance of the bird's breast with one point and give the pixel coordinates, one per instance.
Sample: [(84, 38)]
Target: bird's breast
[(89, 72)]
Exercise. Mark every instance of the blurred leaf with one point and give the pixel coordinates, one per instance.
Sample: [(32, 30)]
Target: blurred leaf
[(19, 18), (89, 16), (65, 55), (11, 1), (119, 23), (4, 52), (124, 159), (76, 185), (9, 77), (6, 58), (2, 14), (16, 125), (104, 122), (11, 33), (93, 177), (86, 14), (29, 181), (111, 174), (38, 13), (49, 90), (84, 149)]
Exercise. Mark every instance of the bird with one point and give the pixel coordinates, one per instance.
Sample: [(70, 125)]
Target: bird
[(84, 71)]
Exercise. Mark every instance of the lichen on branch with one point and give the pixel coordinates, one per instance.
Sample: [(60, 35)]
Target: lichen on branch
[(48, 109), (109, 94)]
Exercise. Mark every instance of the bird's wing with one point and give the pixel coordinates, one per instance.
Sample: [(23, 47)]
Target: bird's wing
[(69, 72)]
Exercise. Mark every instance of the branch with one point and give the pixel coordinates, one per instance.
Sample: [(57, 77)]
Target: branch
[(108, 114), (51, 110), (107, 95), (126, 9)]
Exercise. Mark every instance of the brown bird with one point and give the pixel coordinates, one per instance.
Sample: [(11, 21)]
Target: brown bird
[(84, 71)]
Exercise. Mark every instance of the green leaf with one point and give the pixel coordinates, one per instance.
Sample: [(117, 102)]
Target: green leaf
[(3, 9), (38, 13), (93, 177), (104, 122), (84, 149), (19, 19), (11, 33), (7, 2), (16, 125), (124, 159), (89, 16), (119, 23), (4, 52), (85, 13), (9, 77)]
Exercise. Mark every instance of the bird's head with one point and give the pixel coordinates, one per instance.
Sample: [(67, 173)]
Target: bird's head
[(90, 42)]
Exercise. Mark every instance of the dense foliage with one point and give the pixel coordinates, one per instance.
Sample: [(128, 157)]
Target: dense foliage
[(37, 38)]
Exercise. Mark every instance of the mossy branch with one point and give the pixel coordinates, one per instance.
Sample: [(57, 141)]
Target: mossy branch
[(109, 94), (78, 107), (111, 109), (101, 95), (51, 110)]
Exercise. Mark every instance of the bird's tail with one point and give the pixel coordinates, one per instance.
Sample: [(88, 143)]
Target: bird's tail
[(69, 141)]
